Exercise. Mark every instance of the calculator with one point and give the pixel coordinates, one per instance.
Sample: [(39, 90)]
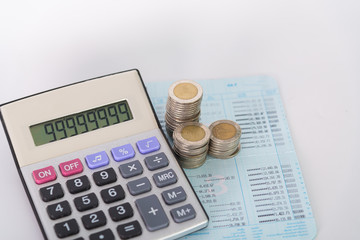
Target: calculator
[(96, 165)]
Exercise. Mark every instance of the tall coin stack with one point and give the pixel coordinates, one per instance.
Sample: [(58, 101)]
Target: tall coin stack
[(183, 104), (191, 142), (225, 139)]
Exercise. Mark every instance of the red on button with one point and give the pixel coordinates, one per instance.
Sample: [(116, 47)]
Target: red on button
[(44, 175), (71, 167)]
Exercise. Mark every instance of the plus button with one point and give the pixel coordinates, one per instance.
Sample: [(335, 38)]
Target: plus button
[(153, 211)]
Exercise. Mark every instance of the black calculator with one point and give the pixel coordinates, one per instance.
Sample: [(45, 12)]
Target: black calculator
[(96, 165)]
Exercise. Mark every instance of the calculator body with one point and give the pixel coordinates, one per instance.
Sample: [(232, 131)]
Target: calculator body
[(96, 165)]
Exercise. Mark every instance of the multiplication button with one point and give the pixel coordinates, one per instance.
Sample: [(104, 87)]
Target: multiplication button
[(152, 213), (130, 169)]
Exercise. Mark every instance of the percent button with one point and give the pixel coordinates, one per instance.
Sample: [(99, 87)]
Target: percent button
[(123, 152)]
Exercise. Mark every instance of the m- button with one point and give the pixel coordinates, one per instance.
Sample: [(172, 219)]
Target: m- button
[(44, 175), (174, 195), (165, 178)]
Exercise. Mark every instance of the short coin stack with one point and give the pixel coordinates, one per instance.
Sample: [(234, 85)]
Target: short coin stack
[(225, 139), (183, 104), (191, 142)]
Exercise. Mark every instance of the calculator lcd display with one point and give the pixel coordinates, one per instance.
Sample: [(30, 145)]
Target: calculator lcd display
[(82, 122)]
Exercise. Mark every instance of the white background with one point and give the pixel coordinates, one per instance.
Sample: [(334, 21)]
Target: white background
[(311, 47)]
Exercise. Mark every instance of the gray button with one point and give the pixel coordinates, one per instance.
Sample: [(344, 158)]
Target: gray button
[(165, 178), (156, 161), (139, 186), (184, 213), (152, 213), (131, 169), (174, 195)]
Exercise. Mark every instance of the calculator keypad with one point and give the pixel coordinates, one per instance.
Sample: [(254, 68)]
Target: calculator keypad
[(132, 179)]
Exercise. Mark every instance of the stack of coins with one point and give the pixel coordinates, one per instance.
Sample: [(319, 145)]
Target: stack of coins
[(183, 104), (191, 141), (225, 139)]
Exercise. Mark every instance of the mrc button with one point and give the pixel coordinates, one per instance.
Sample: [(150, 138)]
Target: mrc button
[(165, 178), (44, 175)]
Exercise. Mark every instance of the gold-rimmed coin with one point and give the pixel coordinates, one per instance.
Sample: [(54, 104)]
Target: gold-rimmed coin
[(225, 138)]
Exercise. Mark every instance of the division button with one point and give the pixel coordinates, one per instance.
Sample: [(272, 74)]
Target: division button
[(139, 186), (51, 192), (152, 213), (44, 175), (148, 145), (174, 195), (165, 178), (156, 161), (103, 235), (104, 177), (123, 152), (67, 228), (129, 230), (94, 220), (59, 210), (184, 213), (130, 169), (97, 160)]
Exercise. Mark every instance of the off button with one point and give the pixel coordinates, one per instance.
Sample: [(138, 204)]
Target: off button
[(71, 167)]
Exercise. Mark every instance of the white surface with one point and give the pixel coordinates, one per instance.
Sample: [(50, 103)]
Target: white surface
[(311, 48)]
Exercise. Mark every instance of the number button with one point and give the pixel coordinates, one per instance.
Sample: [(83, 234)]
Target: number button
[(94, 220), (112, 194), (103, 235), (86, 202), (59, 210), (52, 192), (79, 184), (67, 228), (104, 177), (121, 212)]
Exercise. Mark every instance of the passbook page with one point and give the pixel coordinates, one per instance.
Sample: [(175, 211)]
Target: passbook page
[(260, 193)]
